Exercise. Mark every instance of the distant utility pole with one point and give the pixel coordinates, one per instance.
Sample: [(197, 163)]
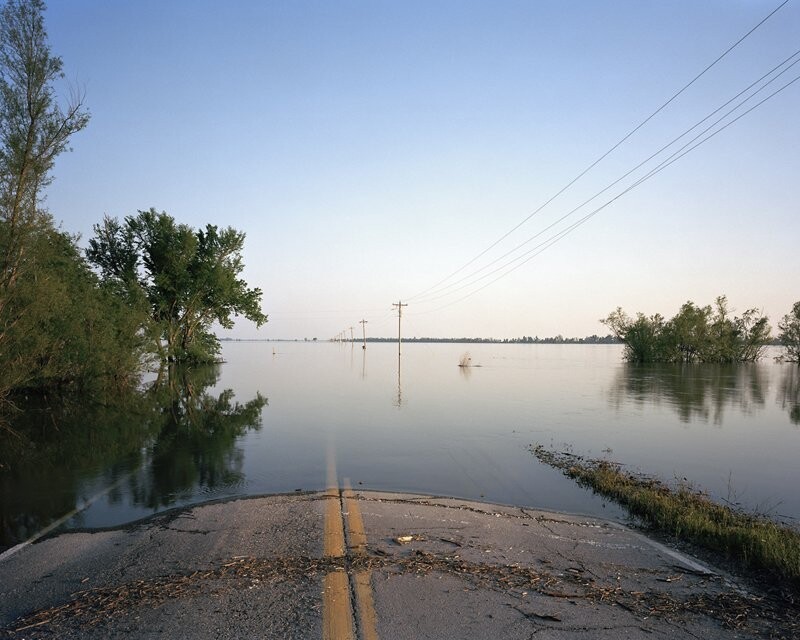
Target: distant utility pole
[(399, 304), (351, 335), (363, 324)]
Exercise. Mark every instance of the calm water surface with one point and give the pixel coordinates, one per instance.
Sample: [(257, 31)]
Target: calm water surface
[(265, 421)]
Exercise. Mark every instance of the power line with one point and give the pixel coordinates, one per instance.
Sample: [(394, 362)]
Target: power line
[(603, 156), (453, 288), (666, 163)]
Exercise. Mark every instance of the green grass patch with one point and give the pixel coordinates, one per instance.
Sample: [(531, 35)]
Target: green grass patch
[(752, 541)]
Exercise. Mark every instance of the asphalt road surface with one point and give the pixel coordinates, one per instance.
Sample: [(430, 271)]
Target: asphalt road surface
[(345, 565)]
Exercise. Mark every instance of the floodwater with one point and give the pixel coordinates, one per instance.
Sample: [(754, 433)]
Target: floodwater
[(270, 417)]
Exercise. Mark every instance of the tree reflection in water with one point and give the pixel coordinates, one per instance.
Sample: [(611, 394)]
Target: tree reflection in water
[(150, 447), (789, 392), (195, 446), (695, 391)]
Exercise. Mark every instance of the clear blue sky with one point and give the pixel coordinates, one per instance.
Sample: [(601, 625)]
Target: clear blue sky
[(369, 149)]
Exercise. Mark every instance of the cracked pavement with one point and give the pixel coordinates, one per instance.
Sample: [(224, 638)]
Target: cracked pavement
[(436, 568)]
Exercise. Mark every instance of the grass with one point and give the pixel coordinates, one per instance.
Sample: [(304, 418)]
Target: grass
[(753, 542)]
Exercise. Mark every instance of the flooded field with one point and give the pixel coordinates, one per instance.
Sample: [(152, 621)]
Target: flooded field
[(266, 419)]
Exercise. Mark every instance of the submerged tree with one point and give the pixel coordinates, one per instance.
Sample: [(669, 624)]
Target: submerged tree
[(187, 279), (68, 330), (695, 334), (789, 335), (57, 326), (643, 337)]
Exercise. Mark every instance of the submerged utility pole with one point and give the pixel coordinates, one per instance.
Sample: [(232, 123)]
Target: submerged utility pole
[(399, 304), (363, 324)]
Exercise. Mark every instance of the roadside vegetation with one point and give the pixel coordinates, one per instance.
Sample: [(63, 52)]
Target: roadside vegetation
[(151, 287), (53, 313), (752, 541)]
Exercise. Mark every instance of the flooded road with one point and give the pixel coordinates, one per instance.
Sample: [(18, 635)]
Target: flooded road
[(263, 422)]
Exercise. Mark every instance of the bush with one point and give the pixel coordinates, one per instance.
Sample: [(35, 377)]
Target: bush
[(695, 334)]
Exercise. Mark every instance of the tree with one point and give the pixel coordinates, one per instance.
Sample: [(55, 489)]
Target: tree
[(643, 337), (694, 334), (686, 334), (69, 330), (187, 279), (36, 260), (789, 334), (34, 130)]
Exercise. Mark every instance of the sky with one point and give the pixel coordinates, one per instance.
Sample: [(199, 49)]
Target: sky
[(371, 149)]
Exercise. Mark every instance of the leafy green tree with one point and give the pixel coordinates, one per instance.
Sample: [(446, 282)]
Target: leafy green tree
[(188, 279), (789, 334), (694, 334), (752, 334), (712, 334), (686, 334), (34, 130), (68, 330), (643, 337)]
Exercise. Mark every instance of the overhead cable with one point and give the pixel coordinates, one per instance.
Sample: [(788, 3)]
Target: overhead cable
[(604, 155), (447, 290), (561, 234)]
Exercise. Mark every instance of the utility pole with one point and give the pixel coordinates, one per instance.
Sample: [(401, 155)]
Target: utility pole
[(399, 304), (351, 334), (363, 324)]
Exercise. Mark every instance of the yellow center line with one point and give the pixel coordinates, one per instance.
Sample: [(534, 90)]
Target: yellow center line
[(337, 611), (367, 620)]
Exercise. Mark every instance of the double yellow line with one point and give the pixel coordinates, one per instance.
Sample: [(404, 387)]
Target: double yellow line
[(338, 620)]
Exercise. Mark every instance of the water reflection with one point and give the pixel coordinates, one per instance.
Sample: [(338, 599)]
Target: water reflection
[(54, 445), (194, 447), (145, 447), (399, 399), (789, 393), (180, 440), (695, 392)]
